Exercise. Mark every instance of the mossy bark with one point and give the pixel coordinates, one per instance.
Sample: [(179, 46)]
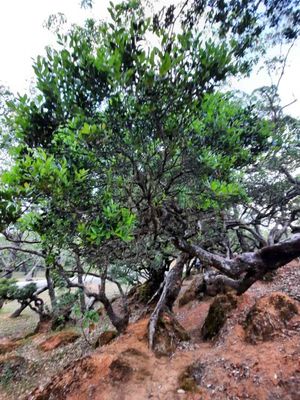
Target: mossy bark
[(218, 312)]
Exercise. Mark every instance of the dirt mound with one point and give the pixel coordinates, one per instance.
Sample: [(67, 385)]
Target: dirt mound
[(268, 316), (218, 312), (124, 368), (67, 383), (106, 374), (169, 334), (58, 340), (226, 369)]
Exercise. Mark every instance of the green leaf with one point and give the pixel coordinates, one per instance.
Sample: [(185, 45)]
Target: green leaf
[(165, 64)]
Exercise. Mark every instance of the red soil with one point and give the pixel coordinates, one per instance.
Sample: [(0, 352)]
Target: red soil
[(59, 339), (232, 368)]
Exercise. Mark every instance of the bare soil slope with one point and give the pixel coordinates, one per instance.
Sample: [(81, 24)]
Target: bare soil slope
[(230, 367)]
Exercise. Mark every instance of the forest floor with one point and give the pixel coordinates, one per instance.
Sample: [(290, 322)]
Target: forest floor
[(227, 368)]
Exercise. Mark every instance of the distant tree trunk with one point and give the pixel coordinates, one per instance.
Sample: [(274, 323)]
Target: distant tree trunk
[(157, 278), (30, 274), (80, 273), (9, 274), (51, 290), (19, 310), (242, 241), (39, 304), (119, 322)]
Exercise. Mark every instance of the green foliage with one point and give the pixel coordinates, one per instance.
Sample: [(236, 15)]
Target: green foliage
[(63, 309), (89, 317), (10, 291), (127, 141)]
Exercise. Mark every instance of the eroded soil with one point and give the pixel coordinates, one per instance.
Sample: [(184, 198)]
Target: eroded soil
[(227, 368)]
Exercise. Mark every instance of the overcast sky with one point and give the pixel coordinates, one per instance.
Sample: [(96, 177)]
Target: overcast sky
[(23, 37)]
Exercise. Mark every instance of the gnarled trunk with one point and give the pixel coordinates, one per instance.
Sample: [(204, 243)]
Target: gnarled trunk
[(169, 294), (242, 271)]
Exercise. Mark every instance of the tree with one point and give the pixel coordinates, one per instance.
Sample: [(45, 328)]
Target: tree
[(128, 146)]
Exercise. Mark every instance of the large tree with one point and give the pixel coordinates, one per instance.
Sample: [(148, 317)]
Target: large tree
[(129, 146)]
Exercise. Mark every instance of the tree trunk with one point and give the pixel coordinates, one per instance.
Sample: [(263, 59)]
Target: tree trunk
[(51, 290), (245, 269), (120, 323), (169, 294), (156, 279), (19, 310), (29, 276), (80, 281)]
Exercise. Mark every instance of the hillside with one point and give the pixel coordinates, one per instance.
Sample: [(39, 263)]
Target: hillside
[(245, 360)]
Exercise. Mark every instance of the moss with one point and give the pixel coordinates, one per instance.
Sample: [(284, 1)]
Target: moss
[(12, 369), (169, 333), (144, 292), (217, 315), (269, 315), (287, 309), (191, 377), (259, 325), (188, 384)]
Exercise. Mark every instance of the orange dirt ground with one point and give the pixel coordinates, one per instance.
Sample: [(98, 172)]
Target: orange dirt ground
[(230, 367)]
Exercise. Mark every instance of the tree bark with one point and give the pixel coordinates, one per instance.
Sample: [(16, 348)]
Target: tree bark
[(169, 294), (51, 290), (19, 310), (245, 269), (80, 273), (120, 323)]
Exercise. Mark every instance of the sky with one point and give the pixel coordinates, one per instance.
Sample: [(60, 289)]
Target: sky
[(23, 37)]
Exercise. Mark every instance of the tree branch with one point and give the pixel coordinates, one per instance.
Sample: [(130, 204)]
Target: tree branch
[(29, 251)]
